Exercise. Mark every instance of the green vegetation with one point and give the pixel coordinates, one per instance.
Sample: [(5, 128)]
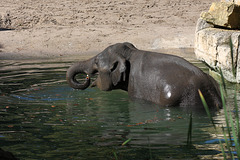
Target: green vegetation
[(231, 131), (232, 58), (189, 138), (126, 142)]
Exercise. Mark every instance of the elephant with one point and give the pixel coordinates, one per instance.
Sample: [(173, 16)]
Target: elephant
[(163, 79)]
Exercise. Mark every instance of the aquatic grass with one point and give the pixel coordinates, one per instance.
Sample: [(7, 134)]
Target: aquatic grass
[(150, 150), (189, 137), (235, 137), (225, 113), (223, 81), (230, 125), (212, 121), (236, 113), (232, 129), (115, 155), (228, 145), (206, 107), (232, 58), (123, 144), (126, 142)]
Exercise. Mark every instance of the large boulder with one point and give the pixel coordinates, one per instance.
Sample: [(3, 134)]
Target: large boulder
[(224, 14), (232, 1), (213, 46)]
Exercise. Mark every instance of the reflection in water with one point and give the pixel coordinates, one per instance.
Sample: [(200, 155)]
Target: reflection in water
[(43, 118)]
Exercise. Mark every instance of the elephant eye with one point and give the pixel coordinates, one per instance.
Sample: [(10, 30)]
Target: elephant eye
[(114, 66)]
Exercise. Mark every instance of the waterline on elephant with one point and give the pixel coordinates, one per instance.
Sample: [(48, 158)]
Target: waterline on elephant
[(164, 79)]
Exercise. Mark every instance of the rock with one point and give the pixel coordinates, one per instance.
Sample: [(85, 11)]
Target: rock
[(212, 45), (202, 24), (224, 14), (237, 2), (233, 1)]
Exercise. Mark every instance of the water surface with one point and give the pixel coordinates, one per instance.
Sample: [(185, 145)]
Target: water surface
[(41, 117)]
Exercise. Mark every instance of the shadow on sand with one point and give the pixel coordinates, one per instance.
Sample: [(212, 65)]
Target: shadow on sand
[(1, 46), (5, 29)]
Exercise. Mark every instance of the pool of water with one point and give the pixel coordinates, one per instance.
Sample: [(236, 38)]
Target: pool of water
[(41, 117)]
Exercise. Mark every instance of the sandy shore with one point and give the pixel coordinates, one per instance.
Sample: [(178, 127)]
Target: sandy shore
[(55, 28)]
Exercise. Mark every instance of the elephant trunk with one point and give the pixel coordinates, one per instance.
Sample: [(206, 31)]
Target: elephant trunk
[(85, 67)]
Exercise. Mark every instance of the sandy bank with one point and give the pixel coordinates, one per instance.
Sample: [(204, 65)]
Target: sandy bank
[(55, 28)]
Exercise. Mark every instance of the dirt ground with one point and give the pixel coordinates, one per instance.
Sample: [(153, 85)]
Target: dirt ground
[(55, 28)]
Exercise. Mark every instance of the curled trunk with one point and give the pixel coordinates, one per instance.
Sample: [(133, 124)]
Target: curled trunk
[(83, 67)]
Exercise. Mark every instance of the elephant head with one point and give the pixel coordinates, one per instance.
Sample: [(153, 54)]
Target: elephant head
[(111, 65)]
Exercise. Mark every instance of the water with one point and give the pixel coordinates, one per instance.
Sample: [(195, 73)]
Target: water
[(41, 117)]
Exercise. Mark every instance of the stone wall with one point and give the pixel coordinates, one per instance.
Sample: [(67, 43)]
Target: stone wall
[(224, 14), (233, 1), (219, 47), (212, 45)]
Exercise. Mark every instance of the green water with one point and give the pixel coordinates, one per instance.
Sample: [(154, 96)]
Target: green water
[(41, 117)]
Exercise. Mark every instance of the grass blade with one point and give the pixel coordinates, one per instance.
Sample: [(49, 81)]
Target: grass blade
[(222, 149), (206, 107), (235, 138), (126, 142), (227, 143), (225, 112), (150, 150), (189, 137), (237, 114), (223, 81), (232, 58), (115, 155)]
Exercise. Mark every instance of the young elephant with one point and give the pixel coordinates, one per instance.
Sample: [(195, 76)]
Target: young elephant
[(164, 79)]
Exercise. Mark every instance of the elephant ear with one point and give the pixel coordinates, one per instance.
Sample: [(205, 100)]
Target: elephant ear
[(118, 69)]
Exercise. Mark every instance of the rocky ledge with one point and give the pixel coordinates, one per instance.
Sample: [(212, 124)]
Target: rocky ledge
[(219, 45)]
